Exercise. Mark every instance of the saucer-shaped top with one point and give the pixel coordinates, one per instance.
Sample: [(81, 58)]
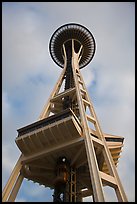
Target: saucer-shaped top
[(81, 36)]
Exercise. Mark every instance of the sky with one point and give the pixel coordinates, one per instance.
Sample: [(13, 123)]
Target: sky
[(29, 75)]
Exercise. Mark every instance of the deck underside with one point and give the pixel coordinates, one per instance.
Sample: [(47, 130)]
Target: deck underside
[(43, 142)]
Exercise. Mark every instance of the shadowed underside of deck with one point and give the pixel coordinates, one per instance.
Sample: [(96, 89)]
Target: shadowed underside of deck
[(60, 135)]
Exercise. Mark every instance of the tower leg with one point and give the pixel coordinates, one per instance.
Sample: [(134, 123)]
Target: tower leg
[(11, 181), (16, 188)]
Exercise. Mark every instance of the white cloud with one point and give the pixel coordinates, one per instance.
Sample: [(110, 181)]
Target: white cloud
[(5, 104), (88, 76), (7, 160), (20, 200)]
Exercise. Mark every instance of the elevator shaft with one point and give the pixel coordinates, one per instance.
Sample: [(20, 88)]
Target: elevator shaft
[(69, 81), (65, 182)]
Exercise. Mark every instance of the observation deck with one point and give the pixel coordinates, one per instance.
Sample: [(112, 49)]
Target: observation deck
[(64, 35), (44, 141)]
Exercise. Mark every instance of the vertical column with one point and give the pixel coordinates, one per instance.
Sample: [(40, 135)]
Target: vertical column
[(16, 188), (11, 181)]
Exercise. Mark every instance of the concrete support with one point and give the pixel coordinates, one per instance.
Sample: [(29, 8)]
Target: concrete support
[(15, 188), (12, 180)]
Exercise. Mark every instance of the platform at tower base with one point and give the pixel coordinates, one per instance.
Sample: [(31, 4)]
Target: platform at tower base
[(60, 135)]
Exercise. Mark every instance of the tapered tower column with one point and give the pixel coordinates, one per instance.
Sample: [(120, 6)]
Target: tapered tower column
[(14, 182)]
